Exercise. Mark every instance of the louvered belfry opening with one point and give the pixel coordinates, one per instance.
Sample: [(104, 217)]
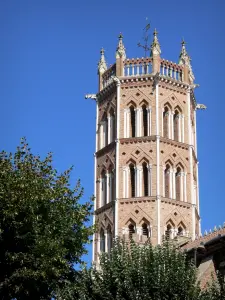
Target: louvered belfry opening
[(168, 232), (145, 179), (145, 230), (102, 241), (180, 231), (167, 181), (133, 121), (176, 125), (131, 230), (132, 181), (166, 123), (178, 179), (145, 120)]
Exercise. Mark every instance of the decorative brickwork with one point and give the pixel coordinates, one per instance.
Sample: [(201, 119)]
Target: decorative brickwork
[(146, 168)]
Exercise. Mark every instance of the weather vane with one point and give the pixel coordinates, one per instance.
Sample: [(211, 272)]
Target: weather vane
[(145, 38)]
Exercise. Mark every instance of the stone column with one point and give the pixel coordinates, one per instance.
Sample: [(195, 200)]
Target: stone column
[(169, 124), (174, 183), (185, 186), (126, 122), (182, 125), (125, 182), (140, 169), (171, 183), (182, 186), (172, 125), (136, 121)]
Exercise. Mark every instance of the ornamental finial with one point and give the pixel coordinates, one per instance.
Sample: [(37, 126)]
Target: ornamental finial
[(155, 47), (102, 67), (184, 59), (120, 50)]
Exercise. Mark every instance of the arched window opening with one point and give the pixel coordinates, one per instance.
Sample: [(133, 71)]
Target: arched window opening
[(145, 230), (168, 232), (104, 188), (145, 179), (109, 238), (176, 125), (104, 135), (131, 229), (102, 241), (112, 125), (132, 181), (133, 121), (113, 185), (180, 231), (166, 122), (178, 183), (145, 120), (167, 181)]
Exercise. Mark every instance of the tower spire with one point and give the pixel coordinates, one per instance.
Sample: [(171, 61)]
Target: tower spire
[(102, 67), (120, 50), (185, 60), (155, 47)]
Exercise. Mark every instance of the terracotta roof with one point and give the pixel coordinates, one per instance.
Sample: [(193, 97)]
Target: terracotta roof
[(204, 239)]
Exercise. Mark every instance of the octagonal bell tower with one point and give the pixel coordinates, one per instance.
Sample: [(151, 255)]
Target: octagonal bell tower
[(146, 167)]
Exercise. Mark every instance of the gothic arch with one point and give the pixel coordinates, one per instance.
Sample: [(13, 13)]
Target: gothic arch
[(131, 161), (144, 159), (178, 108), (170, 222), (131, 103), (167, 104), (169, 163), (144, 102)]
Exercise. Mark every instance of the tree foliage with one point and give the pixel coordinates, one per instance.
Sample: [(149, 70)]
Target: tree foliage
[(133, 272), (43, 226)]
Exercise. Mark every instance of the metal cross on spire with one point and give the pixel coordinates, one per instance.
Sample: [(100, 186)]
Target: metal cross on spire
[(145, 38)]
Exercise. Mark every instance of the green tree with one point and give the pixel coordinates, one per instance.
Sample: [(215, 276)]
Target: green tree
[(43, 227), (133, 272)]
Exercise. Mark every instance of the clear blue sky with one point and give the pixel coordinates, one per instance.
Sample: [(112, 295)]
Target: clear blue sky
[(48, 60)]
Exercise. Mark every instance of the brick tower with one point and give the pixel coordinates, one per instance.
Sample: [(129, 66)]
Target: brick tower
[(146, 168)]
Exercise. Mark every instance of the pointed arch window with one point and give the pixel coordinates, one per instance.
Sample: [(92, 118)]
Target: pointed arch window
[(131, 229), (102, 241), (145, 179), (176, 125), (167, 181), (180, 231), (166, 122), (109, 238), (103, 188), (132, 181), (178, 184), (145, 230), (132, 121), (145, 120), (168, 232)]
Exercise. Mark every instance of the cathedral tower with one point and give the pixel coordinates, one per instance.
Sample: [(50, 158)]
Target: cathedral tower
[(146, 167)]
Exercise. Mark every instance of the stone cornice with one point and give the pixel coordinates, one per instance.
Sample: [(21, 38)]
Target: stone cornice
[(176, 202), (137, 199), (103, 208), (106, 149), (135, 140), (162, 79), (174, 143)]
